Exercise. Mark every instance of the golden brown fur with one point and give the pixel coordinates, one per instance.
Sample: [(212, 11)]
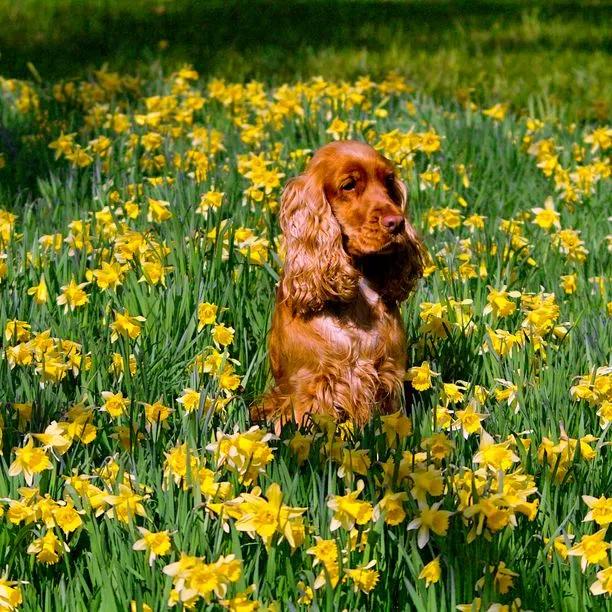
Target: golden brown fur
[(337, 342)]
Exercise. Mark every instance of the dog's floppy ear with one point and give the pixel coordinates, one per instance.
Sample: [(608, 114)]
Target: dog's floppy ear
[(399, 193), (408, 267), (411, 259), (317, 269)]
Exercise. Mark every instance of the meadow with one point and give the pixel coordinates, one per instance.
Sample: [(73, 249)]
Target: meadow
[(139, 252)]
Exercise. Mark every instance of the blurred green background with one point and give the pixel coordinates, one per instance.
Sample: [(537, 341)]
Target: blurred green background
[(547, 57)]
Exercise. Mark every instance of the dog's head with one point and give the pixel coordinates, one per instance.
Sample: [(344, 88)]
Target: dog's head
[(344, 218)]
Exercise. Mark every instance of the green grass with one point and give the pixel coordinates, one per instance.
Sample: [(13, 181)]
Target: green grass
[(102, 571), (552, 54)]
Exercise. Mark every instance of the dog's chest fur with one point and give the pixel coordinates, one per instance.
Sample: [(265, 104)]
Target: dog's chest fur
[(366, 329)]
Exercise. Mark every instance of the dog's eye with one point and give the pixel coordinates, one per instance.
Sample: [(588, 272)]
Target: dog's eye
[(349, 185), (391, 185)]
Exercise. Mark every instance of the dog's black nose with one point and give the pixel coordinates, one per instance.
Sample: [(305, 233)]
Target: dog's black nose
[(394, 223)]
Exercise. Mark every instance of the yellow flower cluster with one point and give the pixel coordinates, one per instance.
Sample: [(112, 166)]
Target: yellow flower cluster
[(264, 516), (245, 453), (10, 595), (51, 358), (596, 390), (193, 580), (138, 423), (184, 467)]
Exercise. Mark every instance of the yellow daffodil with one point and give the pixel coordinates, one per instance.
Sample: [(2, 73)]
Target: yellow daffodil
[(546, 217), (494, 456), (126, 505), (29, 460), (72, 296), (391, 508), (157, 544), (207, 314), (126, 326), (114, 403), (48, 549), (348, 510), (364, 578), (430, 518), (109, 276), (396, 427), (420, 376), (10, 595), (592, 549), (268, 516), (431, 572), (39, 292), (496, 112), (223, 335), (600, 510), (158, 210), (603, 584)]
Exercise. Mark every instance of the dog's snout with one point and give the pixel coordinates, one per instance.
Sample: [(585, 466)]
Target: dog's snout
[(393, 223)]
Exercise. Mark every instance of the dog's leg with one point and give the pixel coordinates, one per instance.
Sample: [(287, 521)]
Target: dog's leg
[(390, 394)]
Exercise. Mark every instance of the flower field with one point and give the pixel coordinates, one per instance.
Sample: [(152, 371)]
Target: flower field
[(137, 275)]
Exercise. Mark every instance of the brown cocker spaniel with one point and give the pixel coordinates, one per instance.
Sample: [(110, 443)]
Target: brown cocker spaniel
[(337, 342)]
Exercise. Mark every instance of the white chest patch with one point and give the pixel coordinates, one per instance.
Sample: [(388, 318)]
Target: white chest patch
[(370, 296)]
